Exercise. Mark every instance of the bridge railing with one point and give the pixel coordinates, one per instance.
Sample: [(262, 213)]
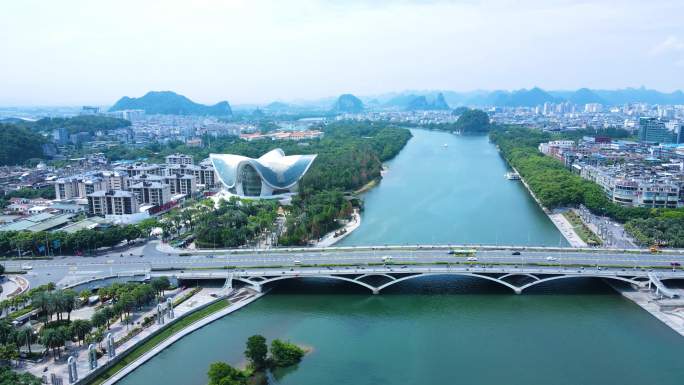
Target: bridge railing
[(425, 247)]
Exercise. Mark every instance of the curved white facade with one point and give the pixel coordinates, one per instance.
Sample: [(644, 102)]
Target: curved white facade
[(270, 175)]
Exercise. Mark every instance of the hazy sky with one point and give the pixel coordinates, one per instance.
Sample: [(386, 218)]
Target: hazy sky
[(71, 52)]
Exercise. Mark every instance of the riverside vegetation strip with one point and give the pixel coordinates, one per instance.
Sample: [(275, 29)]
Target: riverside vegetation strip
[(556, 186)]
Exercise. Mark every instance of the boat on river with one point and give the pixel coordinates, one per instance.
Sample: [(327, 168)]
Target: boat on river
[(512, 175)]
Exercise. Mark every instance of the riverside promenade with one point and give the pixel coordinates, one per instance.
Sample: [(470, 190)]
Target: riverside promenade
[(669, 312), (239, 300), (119, 331), (330, 239)]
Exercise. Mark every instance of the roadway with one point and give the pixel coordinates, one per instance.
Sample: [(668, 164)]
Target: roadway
[(69, 269)]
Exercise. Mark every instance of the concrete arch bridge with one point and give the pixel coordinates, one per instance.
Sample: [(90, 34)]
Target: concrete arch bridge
[(381, 277)]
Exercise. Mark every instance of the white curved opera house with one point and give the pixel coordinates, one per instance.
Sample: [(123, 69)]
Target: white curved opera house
[(270, 176)]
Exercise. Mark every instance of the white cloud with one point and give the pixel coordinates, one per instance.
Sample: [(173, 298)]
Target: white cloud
[(84, 51), (671, 44)]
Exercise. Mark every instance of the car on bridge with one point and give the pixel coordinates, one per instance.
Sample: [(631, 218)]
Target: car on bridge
[(515, 253), (462, 252), (471, 259)]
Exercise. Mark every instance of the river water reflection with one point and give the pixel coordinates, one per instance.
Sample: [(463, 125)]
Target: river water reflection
[(442, 330), (443, 188)]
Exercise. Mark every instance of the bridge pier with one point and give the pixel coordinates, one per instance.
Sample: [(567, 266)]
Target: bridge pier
[(376, 291), (517, 290)]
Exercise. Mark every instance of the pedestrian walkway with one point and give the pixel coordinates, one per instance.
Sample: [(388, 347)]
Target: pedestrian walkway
[(118, 330), (330, 239), (568, 231), (239, 299)]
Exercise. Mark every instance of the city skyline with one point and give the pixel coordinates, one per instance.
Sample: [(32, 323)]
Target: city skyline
[(256, 52)]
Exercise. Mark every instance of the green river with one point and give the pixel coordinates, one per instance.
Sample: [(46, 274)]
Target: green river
[(442, 330)]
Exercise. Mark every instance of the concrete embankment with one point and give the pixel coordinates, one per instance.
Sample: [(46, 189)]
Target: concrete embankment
[(670, 312), (330, 238)]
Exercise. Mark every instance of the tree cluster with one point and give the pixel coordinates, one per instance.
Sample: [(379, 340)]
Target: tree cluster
[(9, 377), (283, 354), (234, 223), (556, 186), (19, 144), (28, 193), (77, 243), (81, 123)]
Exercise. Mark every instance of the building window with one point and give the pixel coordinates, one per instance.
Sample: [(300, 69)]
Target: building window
[(251, 182)]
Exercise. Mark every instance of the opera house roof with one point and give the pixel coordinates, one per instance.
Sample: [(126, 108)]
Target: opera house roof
[(275, 168)]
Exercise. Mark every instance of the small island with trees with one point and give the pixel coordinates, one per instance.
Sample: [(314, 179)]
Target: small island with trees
[(282, 354)]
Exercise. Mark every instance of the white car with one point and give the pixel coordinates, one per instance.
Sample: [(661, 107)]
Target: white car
[(26, 267), (551, 258), (471, 259)]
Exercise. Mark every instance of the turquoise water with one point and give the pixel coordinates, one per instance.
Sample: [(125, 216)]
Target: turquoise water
[(454, 194), (445, 331), (442, 330)]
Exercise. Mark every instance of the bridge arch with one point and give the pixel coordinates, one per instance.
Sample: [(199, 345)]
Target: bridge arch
[(631, 281), (508, 285), (339, 278), (519, 275), (376, 275)]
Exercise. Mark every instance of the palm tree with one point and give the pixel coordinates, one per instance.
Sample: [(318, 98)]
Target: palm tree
[(99, 319), (80, 328), (52, 339), (27, 336), (68, 302)]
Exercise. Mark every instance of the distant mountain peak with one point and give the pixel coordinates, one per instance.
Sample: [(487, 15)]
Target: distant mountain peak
[(348, 103), (170, 103)]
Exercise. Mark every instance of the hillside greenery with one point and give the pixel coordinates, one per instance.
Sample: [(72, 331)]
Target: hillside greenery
[(469, 122), (556, 186), (82, 123), (19, 144), (348, 103)]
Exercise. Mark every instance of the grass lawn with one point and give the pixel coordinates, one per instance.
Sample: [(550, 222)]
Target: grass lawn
[(581, 229), (159, 338)]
